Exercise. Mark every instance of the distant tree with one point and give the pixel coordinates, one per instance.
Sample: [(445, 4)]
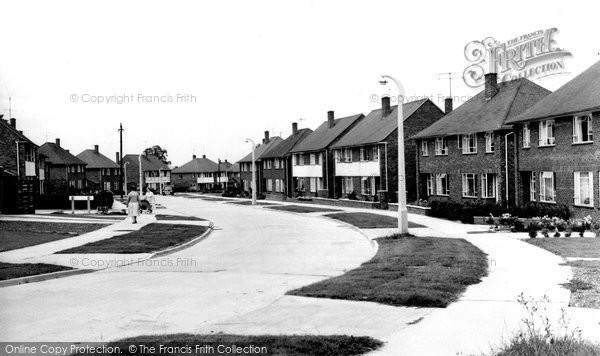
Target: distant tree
[(158, 152)]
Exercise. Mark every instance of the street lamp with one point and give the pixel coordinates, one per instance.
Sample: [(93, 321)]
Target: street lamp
[(141, 172), (402, 211), (125, 175), (160, 180), (253, 185)]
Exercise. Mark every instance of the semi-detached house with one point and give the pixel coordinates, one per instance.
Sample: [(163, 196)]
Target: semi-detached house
[(558, 147), (246, 164)]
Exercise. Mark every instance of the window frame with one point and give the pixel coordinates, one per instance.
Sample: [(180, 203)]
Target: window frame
[(441, 146), (467, 149), (485, 183), (577, 189), (465, 187), (442, 190), (578, 121), (526, 139), (543, 187), (489, 143), (424, 148), (544, 140)]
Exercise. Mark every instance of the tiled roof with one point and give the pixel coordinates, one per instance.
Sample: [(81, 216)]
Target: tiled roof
[(481, 115), (197, 165), (324, 135), (96, 160), (375, 128), (284, 147), (260, 149), (581, 93), (5, 125), (58, 155), (149, 163)]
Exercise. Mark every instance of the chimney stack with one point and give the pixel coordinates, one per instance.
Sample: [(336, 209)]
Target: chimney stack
[(193, 156), (294, 128), (58, 142), (266, 139), (491, 85), (448, 105), (13, 122), (117, 157), (67, 151), (330, 118), (96, 148), (203, 156), (386, 109)]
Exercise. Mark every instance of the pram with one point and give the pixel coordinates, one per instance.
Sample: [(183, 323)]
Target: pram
[(145, 207)]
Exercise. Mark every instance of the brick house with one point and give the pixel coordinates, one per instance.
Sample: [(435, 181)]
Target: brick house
[(277, 165), (313, 166), (233, 174), (200, 174), (468, 155), (558, 148), (366, 158), (66, 173), (155, 172), (101, 173), (246, 164), (20, 170)]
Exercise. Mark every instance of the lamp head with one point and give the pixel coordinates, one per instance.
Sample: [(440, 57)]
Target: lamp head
[(383, 82)]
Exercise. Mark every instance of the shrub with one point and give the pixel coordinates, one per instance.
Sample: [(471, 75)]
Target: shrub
[(533, 209), (557, 234), (532, 234)]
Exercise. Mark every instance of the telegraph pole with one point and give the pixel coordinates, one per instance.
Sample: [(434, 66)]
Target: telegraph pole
[(121, 157)]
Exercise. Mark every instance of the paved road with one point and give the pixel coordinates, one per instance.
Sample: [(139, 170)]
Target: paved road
[(251, 259)]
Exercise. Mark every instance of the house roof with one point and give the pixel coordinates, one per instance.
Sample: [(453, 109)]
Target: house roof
[(581, 93), (260, 149), (58, 155), (5, 125), (323, 136), (481, 115), (149, 162), (197, 165), (375, 128), (96, 160), (284, 147), (235, 167)]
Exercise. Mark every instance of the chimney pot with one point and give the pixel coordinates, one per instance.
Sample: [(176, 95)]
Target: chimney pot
[(117, 157), (294, 128), (203, 156), (96, 148), (58, 142), (193, 156), (67, 151), (491, 85), (331, 118), (13, 122), (266, 137), (386, 109), (448, 105)]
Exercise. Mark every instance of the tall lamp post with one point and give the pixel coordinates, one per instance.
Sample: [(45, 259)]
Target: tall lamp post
[(141, 173), (125, 176), (253, 185), (160, 181), (402, 211)]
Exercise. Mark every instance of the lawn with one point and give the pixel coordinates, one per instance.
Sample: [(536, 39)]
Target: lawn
[(19, 234), (163, 217), (150, 238), (408, 271), (249, 202), (369, 220), (297, 345), (17, 270), (570, 246), (585, 284), (301, 209)]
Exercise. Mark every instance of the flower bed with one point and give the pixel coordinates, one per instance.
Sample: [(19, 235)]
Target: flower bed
[(545, 226)]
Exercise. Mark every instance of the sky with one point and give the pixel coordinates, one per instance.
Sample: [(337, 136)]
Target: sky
[(201, 77)]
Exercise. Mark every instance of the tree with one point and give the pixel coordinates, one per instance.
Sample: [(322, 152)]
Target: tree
[(158, 152)]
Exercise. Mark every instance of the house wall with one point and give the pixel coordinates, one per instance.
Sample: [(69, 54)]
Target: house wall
[(273, 174), (563, 159)]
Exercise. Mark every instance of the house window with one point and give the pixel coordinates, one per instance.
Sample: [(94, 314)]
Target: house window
[(367, 185), (584, 188), (582, 129), (459, 140), (276, 163), (376, 153), (313, 184), (547, 190), (300, 186), (277, 186), (424, 148), (441, 184), (441, 146), (337, 156), (469, 145), (489, 142), (430, 184), (301, 159), (269, 185), (347, 155), (313, 159), (366, 154), (526, 136), (532, 187), (546, 134), (488, 185), (469, 185), (347, 185)]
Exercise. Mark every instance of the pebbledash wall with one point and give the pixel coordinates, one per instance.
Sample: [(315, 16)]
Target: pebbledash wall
[(563, 159)]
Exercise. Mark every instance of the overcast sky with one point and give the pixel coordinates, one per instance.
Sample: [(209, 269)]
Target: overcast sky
[(251, 65)]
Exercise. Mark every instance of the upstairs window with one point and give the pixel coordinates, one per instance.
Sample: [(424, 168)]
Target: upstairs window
[(366, 154), (526, 136), (347, 155), (375, 153), (489, 142), (582, 129), (469, 145), (546, 134), (301, 159), (441, 146), (424, 148), (276, 163), (459, 140), (313, 159)]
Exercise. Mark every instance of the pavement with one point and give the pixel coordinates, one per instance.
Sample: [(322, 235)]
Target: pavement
[(235, 281)]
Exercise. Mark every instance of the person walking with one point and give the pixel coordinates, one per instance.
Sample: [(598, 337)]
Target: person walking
[(150, 198), (133, 205)]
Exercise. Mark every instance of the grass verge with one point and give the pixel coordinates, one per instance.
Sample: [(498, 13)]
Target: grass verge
[(587, 247), (408, 271), (585, 285), (297, 345), (248, 202), (166, 217), (301, 209), (18, 270), (19, 234), (369, 220), (150, 238)]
